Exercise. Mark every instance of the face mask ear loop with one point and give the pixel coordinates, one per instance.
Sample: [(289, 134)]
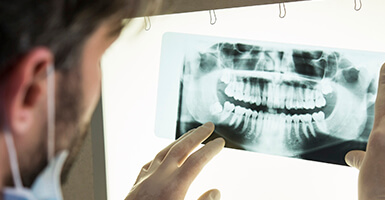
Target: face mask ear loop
[(51, 131), (13, 158), (51, 112)]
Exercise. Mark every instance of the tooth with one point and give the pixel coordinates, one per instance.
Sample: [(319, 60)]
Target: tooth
[(270, 95), (246, 92), (304, 125), (287, 104), (264, 94), (257, 96), (288, 125), (277, 100), (320, 100), (300, 98), (259, 125), (281, 125), (312, 96), (294, 103), (228, 109), (282, 92), (247, 119), (311, 104), (309, 96), (238, 91), (289, 97), (319, 116), (254, 116), (308, 118), (235, 117), (267, 129), (274, 124), (305, 99), (241, 112), (233, 87), (296, 125), (296, 99), (292, 99), (241, 90), (277, 124), (229, 91), (253, 123), (252, 92), (216, 108), (320, 122)]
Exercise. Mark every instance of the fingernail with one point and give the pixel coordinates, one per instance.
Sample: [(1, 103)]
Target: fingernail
[(208, 125), (215, 194), (220, 141)]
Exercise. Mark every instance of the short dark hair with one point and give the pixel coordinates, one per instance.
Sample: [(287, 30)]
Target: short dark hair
[(61, 25)]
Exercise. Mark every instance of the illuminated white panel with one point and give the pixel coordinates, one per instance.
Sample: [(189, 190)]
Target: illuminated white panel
[(130, 80)]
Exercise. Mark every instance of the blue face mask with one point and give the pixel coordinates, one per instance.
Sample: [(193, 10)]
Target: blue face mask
[(47, 185)]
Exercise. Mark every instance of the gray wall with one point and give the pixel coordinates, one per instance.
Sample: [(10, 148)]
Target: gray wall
[(87, 180), (177, 6)]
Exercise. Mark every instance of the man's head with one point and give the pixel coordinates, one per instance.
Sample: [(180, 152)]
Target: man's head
[(71, 35)]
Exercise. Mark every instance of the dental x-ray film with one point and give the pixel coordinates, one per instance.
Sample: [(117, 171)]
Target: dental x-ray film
[(314, 103)]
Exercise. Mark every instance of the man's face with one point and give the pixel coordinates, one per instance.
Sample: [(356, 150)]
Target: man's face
[(77, 94), (87, 94)]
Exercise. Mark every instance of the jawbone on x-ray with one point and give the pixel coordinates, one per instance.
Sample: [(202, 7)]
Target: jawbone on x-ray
[(278, 99)]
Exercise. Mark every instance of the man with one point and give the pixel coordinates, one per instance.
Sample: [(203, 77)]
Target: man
[(71, 36)]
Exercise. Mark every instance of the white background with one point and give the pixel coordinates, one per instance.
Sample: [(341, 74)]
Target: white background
[(130, 77)]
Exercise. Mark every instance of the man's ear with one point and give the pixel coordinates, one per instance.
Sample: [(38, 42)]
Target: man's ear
[(24, 90)]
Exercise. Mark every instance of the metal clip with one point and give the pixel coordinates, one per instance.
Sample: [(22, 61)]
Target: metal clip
[(212, 20), (282, 14), (147, 23), (359, 5)]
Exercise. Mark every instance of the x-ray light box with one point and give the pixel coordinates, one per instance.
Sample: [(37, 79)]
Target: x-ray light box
[(324, 55)]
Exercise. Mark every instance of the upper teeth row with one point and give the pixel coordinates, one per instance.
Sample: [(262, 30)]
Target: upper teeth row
[(275, 96)]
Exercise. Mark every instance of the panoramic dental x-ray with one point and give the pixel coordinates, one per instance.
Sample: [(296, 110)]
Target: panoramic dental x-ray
[(280, 99)]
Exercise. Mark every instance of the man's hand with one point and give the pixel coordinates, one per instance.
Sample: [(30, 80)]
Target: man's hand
[(172, 171), (371, 180)]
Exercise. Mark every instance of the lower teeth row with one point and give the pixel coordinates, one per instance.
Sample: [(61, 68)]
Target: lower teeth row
[(256, 123)]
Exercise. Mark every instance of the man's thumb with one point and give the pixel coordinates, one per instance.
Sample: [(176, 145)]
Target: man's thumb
[(213, 194), (354, 158)]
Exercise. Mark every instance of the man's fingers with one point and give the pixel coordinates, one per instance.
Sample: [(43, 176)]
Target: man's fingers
[(179, 152), (160, 156), (213, 194), (196, 161), (354, 158), (380, 101), (143, 171), (146, 166)]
